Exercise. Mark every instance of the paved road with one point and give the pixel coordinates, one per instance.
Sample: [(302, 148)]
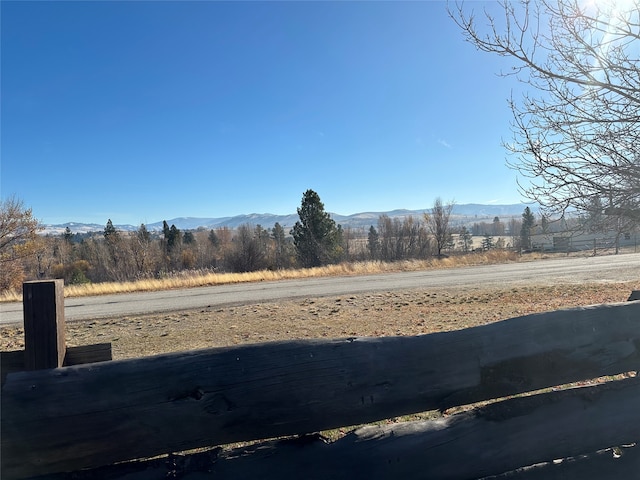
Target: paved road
[(564, 270)]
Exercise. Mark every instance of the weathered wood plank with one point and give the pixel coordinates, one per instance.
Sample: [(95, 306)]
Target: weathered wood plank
[(481, 443), (491, 440), (44, 335), (113, 411), (98, 352), (602, 465), (13, 361)]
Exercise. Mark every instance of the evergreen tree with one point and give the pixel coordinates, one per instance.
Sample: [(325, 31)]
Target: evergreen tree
[(67, 235), (315, 235), (528, 222), (262, 238), (112, 240), (110, 232), (188, 238), (143, 234), (280, 246), (465, 239), (373, 243), (213, 238), (174, 237), (487, 242), (277, 233)]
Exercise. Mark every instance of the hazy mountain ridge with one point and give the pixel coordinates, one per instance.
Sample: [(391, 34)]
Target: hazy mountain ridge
[(461, 213)]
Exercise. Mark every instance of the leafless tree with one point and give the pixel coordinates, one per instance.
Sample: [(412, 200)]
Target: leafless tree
[(576, 132), (401, 240), (438, 223), (141, 248), (18, 235), (248, 254)]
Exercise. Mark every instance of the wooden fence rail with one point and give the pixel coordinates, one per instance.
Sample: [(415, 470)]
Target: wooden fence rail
[(498, 438), (86, 416)]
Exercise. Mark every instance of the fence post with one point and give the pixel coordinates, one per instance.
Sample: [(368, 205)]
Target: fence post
[(44, 341)]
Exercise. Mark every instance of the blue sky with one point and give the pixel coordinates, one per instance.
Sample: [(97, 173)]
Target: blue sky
[(144, 111)]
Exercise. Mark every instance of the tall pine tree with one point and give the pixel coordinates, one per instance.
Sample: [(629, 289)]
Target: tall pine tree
[(280, 246), (528, 222), (373, 243), (315, 235)]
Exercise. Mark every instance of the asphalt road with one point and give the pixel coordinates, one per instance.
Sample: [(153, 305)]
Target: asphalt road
[(543, 272)]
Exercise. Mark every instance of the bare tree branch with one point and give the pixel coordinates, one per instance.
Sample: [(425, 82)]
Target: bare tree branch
[(576, 136)]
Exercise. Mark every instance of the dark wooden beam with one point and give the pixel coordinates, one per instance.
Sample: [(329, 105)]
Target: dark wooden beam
[(13, 361), (516, 439), (86, 416), (499, 438)]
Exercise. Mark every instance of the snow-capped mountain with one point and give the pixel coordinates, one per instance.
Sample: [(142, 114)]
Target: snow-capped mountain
[(461, 214)]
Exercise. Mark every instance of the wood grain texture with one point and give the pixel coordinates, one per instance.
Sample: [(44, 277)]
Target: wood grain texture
[(86, 416), (489, 443)]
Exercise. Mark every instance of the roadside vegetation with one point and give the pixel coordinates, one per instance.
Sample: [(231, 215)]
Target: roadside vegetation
[(202, 278), (116, 261)]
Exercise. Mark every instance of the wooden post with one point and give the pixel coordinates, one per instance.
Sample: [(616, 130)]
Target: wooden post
[(44, 341)]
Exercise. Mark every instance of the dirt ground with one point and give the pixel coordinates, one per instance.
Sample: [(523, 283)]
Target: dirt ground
[(411, 312)]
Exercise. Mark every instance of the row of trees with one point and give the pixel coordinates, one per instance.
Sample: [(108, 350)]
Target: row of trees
[(314, 240), (115, 255), (318, 240), (124, 256)]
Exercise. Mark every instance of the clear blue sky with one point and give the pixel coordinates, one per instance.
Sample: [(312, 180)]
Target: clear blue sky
[(144, 111)]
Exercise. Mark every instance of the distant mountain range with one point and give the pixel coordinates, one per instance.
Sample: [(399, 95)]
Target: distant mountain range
[(468, 213)]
